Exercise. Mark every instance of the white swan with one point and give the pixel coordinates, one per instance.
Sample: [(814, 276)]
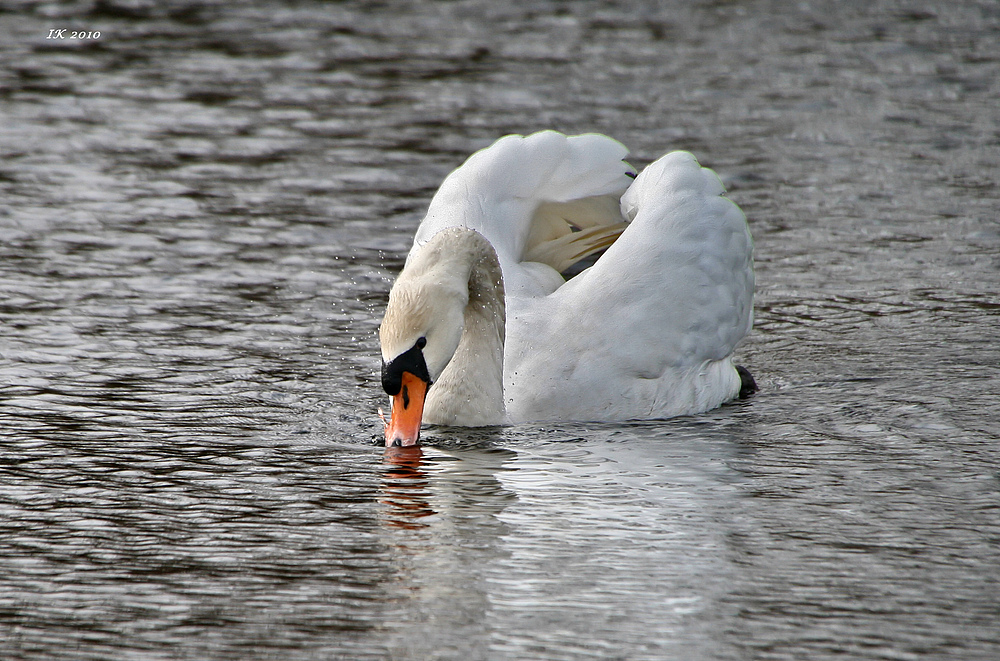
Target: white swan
[(481, 328)]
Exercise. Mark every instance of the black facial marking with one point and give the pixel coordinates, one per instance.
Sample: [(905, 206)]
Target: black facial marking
[(412, 361), (406, 397)]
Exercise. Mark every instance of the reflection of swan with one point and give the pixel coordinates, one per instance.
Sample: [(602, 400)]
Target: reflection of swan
[(440, 564), (481, 311), (404, 488)]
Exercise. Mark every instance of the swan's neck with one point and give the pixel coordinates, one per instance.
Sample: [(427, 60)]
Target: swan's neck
[(470, 389)]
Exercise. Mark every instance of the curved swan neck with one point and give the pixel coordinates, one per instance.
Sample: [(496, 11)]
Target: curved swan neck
[(470, 389)]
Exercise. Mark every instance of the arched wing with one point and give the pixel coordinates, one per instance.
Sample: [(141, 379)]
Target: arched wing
[(526, 195)]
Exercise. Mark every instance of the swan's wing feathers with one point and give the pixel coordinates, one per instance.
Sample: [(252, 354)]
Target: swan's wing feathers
[(565, 251), (671, 179), (552, 220), (563, 233), (498, 189), (676, 289), (587, 165)]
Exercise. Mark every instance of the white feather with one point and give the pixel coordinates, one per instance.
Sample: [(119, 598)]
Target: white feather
[(647, 331)]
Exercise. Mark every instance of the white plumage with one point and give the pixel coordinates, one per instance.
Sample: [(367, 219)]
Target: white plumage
[(647, 331)]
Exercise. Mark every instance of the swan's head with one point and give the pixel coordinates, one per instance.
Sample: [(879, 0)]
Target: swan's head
[(421, 330)]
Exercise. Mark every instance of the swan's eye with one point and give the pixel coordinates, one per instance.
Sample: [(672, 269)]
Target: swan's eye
[(421, 342)]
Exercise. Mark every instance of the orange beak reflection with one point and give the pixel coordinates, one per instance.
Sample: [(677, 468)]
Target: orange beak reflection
[(407, 411)]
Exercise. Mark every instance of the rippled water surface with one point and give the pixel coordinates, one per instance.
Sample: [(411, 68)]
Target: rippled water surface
[(201, 212)]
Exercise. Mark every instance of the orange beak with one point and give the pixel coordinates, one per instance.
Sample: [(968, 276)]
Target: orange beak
[(407, 411)]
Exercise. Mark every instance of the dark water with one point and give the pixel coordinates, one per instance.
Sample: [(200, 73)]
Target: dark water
[(201, 212)]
